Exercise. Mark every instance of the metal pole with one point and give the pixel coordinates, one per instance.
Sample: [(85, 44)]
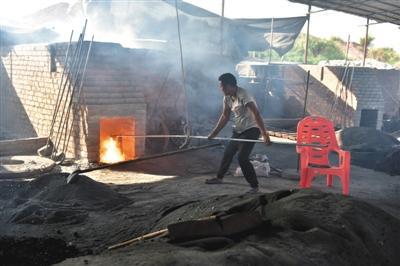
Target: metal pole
[(61, 88), (366, 42), (306, 96), (307, 35), (222, 27), (271, 41), (75, 174), (221, 138), (347, 49), (82, 80), (182, 66)]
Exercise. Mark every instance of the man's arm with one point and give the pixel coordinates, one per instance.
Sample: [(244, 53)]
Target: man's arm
[(223, 119), (260, 123)]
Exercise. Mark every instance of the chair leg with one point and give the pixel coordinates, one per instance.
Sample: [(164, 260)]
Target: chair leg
[(329, 180), (345, 184), (309, 179), (303, 178)]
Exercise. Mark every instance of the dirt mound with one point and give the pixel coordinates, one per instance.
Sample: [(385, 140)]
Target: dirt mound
[(34, 251), (305, 227), (371, 148), (85, 192), (49, 199), (366, 139)]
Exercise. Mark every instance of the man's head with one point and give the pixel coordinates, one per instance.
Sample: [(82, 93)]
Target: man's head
[(228, 84)]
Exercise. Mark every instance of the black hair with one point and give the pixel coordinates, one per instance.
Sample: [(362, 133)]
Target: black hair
[(228, 79)]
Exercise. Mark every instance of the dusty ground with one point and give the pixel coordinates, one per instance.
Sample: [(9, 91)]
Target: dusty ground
[(89, 216)]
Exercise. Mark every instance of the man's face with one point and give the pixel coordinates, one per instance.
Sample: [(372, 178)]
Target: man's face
[(224, 88)]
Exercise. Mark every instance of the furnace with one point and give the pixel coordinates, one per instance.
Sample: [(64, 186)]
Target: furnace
[(112, 147)]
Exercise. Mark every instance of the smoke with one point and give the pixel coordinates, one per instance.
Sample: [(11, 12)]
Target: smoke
[(153, 25)]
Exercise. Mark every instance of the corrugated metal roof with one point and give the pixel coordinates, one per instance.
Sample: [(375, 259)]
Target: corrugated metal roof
[(379, 10)]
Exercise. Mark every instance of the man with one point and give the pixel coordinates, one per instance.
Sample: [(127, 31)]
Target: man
[(248, 125)]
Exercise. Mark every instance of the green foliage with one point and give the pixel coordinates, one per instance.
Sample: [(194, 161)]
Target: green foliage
[(369, 42), (387, 55), (319, 49), (327, 49)]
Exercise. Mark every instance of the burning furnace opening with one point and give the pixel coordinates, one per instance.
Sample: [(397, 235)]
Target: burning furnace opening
[(116, 139)]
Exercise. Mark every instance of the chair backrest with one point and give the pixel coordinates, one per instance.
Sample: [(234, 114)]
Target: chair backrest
[(317, 130)]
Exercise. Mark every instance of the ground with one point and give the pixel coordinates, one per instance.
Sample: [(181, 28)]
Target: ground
[(89, 216)]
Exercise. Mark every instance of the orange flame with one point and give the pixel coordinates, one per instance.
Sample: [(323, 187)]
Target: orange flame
[(111, 153)]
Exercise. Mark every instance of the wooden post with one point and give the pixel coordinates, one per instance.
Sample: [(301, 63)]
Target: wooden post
[(307, 35), (366, 42)]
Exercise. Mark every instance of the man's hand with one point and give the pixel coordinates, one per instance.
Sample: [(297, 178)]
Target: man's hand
[(266, 138), (212, 135)]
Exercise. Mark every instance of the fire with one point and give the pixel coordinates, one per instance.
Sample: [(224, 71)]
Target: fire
[(111, 153)]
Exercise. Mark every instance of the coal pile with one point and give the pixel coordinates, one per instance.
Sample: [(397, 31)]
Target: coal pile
[(48, 199), (371, 148), (299, 227), (34, 251)]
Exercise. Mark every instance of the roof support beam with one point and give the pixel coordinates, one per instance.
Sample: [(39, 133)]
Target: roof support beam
[(379, 10), (307, 34), (366, 42), (222, 27)]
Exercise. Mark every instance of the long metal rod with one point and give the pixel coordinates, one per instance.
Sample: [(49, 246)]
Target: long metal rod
[(82, 79), (66, 90), (78, 77), (216, 138), (72, 84), (61, 88), (182, 65), (74, 175), (71, 75)]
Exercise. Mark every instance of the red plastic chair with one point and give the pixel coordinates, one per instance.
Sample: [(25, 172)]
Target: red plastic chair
[(315, 161)]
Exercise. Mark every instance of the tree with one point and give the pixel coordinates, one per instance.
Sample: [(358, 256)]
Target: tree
[(327, 49), (369, 42), (387, 55)]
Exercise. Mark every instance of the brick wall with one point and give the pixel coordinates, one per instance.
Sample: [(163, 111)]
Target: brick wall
[(112, 88), (27, 87), (370, 89)]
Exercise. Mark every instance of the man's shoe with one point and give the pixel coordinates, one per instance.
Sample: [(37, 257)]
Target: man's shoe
[(214, 181), (253, 190)]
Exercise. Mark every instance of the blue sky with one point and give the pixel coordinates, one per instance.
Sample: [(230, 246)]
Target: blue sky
[(323, 24)]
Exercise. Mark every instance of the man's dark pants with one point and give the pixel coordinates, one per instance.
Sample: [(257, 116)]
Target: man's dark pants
[(244, 149)]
